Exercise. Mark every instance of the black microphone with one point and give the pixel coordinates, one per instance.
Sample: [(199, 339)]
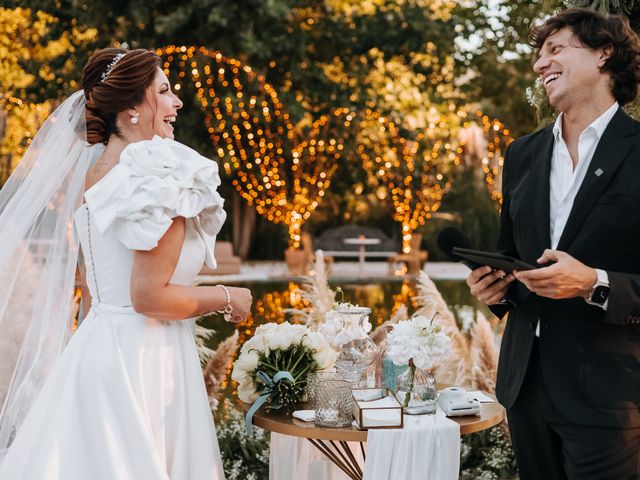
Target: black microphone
[(450, 237)]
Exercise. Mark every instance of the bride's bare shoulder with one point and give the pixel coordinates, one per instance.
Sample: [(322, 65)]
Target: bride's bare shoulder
[(98, 170)]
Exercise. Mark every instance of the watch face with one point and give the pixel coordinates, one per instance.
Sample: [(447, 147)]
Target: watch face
[(600, 294)]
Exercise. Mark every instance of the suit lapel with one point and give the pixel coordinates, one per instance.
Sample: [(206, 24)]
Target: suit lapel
[(612, 149), (540, 187)]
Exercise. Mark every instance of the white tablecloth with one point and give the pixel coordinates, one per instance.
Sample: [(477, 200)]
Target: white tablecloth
[(294, 458), (428, 448)]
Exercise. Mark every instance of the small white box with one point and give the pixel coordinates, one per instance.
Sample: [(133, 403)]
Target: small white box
[(376, 408)]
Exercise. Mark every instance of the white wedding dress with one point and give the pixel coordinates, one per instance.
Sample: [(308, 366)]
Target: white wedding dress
[(126, 399)]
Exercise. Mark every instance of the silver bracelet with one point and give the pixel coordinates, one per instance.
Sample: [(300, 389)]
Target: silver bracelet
[(227, 311)]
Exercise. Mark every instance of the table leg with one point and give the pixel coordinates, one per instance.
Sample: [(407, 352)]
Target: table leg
[(341, 455), (352, 459), (361, 263)]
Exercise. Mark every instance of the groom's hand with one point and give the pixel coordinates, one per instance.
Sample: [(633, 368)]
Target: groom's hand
[(489, 286), (566, 277)]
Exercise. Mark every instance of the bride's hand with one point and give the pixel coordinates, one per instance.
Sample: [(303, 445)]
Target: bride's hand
[(241, 303)]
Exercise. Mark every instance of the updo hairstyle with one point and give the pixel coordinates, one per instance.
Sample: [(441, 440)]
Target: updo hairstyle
[(123, 89)]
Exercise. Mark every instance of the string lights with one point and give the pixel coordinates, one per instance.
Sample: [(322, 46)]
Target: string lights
[(416, 173), (284, 172), (280, 170), (489, 150)]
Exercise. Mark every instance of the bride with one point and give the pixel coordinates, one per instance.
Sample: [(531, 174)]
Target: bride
[(123, 397)]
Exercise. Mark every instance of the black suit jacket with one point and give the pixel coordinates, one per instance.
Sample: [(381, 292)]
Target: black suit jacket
[(590, 358)]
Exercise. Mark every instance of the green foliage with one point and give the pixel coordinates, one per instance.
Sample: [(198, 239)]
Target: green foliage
[(298, 361), (628, 8), (487, 455), (39, 53), (498, 60), (398, 57), (473, 210), (292, 42), (244, 456)]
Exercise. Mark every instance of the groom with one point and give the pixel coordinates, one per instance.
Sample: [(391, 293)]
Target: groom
[(569, 369)]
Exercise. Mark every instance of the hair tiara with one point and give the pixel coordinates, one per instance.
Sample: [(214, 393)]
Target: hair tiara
[(111, 66)]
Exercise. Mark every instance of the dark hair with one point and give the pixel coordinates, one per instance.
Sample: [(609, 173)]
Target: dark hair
[(596, 30), (124, 88)]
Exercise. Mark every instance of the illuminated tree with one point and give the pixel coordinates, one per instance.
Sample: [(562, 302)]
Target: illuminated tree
[(415, 173), (483, 144), (281, 169)]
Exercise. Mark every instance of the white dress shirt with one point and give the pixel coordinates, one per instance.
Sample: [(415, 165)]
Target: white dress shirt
[(564, 180)]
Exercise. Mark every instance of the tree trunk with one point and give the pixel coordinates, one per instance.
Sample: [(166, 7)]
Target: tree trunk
[(3, 124), (244, 223)]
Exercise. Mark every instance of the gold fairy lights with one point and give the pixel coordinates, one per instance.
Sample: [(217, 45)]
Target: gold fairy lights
[(416, 173), (280, 170), (491, 154), (284, 173)]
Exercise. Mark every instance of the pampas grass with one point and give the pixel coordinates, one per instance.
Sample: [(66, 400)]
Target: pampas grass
[(484, 355), (316, 292), (473, 359), (202, 335), (218, 366), (380, 333), (455, 369)]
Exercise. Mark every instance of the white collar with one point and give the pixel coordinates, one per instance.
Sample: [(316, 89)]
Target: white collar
[(598, 126)]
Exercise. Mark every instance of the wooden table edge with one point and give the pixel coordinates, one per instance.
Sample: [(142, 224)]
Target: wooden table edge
[(492, 414)]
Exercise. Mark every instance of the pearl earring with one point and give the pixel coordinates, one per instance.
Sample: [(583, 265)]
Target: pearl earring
[(134, 120)]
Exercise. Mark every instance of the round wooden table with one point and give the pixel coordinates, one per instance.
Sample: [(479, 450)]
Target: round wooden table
[(332, 442)]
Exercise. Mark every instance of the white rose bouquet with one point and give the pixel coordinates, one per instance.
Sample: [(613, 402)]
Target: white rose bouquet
[(420, 340), (274, 364)]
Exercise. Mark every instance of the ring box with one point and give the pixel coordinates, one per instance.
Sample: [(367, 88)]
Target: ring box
[(376, 408)]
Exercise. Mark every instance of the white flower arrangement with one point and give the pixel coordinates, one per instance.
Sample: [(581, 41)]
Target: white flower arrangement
[(419, 339), (273, 350)]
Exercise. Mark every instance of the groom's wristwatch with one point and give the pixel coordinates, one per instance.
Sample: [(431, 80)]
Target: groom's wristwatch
[(600, 290)]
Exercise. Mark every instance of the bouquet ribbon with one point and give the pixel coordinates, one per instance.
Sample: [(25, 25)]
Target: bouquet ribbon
[(269, 383)]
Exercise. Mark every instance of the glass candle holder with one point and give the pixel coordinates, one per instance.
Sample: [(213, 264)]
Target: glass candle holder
[(333, 403), (313, 381)]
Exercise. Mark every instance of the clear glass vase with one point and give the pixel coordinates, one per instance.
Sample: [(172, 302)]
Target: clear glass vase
[(356, 351), (386, 371), (416, 391), (390, 373)]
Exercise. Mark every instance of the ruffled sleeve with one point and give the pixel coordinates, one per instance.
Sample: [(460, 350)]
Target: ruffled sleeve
[(155, 181)]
